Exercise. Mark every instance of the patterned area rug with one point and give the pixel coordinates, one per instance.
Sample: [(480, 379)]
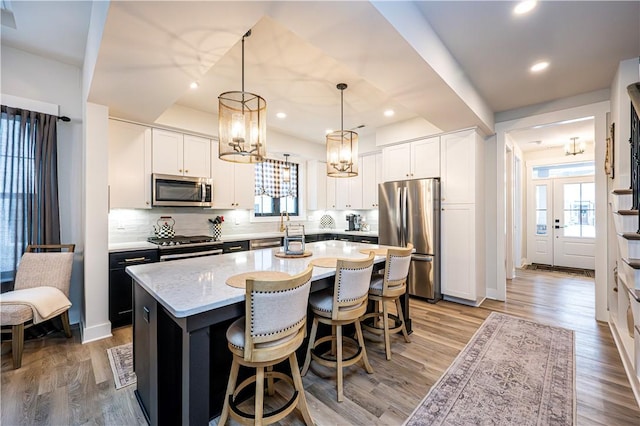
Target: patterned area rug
[(512, 372), (121, 360), (571, 271)]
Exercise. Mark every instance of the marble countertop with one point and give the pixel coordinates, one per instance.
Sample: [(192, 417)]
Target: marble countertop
[(136, 245), (191, 286)]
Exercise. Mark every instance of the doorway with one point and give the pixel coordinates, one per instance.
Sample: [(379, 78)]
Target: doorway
[(561, 212)]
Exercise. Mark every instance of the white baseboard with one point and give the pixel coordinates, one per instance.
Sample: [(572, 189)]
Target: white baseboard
[(626, 362), (97, 332)]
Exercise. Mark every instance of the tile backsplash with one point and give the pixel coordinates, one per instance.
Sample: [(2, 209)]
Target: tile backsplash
[(137, 225)]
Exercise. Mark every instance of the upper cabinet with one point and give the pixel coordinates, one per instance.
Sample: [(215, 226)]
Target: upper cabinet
[(317, 185), (233, 183), (371, 170), (129, 165), (348, 192), (182, 155), (415, 160), (459, 158)]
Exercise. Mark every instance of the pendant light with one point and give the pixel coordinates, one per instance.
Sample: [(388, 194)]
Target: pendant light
[(573, 148), (286, 170), (342, 147), (242, 124)]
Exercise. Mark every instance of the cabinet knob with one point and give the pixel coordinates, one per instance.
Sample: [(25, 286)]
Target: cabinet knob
[(186, 171), (180, 170), (146, 202)]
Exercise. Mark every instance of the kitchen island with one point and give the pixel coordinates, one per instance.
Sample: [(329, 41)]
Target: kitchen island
[(181, 313)]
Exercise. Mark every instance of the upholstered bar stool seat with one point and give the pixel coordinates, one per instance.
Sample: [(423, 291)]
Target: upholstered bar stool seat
[(41, 292), (385, 288), (342, 306), (273, 327)]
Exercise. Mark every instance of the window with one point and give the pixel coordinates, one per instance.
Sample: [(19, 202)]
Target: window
[(579, 207), (541, 209), (564, 170), (273, 193)]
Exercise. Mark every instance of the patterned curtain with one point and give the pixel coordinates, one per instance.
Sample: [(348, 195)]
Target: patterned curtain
[(29, 211), (270, 181)]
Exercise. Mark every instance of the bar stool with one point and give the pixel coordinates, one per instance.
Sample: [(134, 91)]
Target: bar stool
[(387, 287), (345, 305), (264, 337)]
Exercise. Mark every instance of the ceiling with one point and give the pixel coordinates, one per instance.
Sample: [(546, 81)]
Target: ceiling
[(299, 51)]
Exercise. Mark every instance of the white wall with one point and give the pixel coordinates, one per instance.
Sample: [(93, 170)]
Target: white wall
[(34, 77), (621, 115)]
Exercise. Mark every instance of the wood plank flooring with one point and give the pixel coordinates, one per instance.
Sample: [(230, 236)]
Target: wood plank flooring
[(64, 382)]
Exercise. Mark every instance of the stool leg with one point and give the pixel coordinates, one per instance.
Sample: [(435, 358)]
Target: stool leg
[(17, 344), (339, 362), (259, 395), (404, 325), (231, 386), (365, 359), (333, 341), (270, 388), (385, 322), (312, 340), (297, 381)]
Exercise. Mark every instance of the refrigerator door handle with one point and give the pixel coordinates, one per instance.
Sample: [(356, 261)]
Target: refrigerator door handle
[(422, 257), (405, 209), (399, 231)]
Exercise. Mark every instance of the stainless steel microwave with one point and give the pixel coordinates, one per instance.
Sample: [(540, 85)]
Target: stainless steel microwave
[(181, 191)]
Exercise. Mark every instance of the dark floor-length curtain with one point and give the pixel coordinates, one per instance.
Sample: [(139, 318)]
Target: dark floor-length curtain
[(28, 184)]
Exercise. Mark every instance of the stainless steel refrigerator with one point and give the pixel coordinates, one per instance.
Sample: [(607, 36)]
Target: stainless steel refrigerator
[(409, 212)]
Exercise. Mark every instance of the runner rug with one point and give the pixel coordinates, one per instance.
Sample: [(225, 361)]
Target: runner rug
[(512, 372), (121, 360)]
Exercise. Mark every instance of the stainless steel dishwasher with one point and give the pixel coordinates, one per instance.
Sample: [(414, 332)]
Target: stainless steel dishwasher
[(263, 243)]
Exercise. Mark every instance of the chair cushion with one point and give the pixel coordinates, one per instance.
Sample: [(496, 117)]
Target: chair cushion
[(15, 314), (375, 287), (322, 301)]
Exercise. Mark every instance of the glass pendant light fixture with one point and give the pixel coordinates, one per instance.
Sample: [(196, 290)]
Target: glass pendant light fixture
[(342, 147), (286, 170), (242, 124), (573, 148)]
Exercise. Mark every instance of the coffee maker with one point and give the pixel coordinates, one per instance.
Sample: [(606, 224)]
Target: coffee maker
[(353, 221)]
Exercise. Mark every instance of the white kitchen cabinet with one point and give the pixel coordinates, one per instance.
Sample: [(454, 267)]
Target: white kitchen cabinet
[(458, 160), (462, 218), (317, 185), (331, 192), (462, 258), (233, 183), (349, 193), (371, 169), (183, 155), (414, 160), (129, 165)]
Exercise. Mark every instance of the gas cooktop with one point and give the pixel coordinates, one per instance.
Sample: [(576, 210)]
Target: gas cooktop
[(181, 240)]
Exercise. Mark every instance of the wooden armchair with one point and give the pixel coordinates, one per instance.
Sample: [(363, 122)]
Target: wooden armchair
[(41, 292)]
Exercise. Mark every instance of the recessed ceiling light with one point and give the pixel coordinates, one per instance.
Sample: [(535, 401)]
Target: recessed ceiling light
[(281, 115), (524, 7), (539, 66), (389, 113), (194, 85)]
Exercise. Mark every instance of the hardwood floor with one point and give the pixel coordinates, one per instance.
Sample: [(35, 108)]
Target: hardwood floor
[(64, 382)]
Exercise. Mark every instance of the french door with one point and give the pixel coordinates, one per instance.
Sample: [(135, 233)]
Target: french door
[(562, 229)]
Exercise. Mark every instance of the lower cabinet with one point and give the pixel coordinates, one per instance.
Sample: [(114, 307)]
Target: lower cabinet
[(462, 268), (120, 283)]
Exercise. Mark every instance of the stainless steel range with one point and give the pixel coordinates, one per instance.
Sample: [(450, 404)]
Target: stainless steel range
[(182, 247)]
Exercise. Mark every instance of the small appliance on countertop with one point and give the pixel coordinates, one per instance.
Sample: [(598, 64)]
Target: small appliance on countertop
[(354, 222)]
